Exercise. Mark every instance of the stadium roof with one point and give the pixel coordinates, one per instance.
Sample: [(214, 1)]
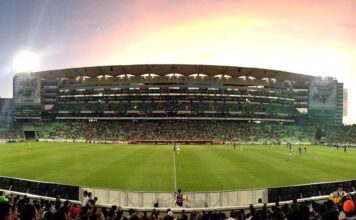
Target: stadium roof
[(164, 69)]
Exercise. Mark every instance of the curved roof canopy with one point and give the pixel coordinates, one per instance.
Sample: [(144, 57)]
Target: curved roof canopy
[(181, 69)]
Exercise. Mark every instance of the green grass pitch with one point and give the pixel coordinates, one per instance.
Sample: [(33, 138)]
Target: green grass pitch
[(158, 168)]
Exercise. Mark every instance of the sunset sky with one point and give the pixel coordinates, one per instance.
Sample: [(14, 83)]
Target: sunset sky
[(316, 37)]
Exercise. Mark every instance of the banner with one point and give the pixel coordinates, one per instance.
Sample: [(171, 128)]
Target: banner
[(322, 94), (27, 89)]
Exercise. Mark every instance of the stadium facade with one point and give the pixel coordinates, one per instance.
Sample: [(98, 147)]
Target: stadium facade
[(192, 92)]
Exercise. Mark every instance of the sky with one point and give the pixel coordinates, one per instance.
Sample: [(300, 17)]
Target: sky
[(316, 37)]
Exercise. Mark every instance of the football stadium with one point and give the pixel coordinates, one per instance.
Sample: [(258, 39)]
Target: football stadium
[(132, 135)]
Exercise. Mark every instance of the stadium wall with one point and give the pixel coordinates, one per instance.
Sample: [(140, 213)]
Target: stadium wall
[(225, 200), (167, 199)]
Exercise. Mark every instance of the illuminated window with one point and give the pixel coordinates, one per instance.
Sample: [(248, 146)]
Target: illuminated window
[(220, 76), (149, 75), (198, 75), (176, 75), (125, 76)]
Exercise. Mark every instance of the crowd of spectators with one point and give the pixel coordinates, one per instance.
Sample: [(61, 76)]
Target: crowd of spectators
[(7, 131), (22, 208), (219, 131), (192, 130), (345, 134)]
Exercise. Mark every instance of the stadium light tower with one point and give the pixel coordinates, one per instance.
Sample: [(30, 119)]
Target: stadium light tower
[(26, 61)]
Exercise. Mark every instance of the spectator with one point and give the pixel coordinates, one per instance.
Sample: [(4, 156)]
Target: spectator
[(331, 212), (338, 194), (29, 212), (169, 215), (74, 213), (183, 216), (348, 210), (86, 199), (5, 211)]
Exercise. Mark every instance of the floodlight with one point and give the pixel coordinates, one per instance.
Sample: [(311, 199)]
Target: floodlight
[(26, 61)]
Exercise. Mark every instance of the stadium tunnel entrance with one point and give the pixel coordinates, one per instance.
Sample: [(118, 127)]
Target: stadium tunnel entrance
[(29, 133)]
